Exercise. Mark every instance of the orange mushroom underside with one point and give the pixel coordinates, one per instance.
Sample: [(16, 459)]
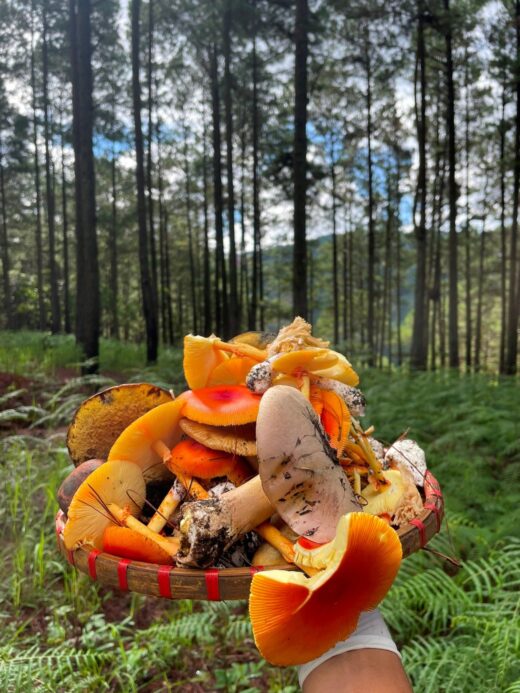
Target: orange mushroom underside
[(296, 619)]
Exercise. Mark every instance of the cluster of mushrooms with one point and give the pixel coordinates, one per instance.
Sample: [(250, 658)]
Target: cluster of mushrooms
[(262, 462)]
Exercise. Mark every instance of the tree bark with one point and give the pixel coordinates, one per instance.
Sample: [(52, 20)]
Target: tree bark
[(148, 297), (300, 305), (191, 255), (503, 238), (149, 156), (255, 278), (419, 347), (467, 229), (335, 289), (87, 268), (453, 336), (206, 255), (65, 236)]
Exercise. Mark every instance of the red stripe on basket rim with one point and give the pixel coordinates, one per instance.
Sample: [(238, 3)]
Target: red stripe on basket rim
[(70, 558), (122, 569), (163, 580), (431, 481), (422, 530), (438, 514), (92, 563), (212, 588), (254, 569)]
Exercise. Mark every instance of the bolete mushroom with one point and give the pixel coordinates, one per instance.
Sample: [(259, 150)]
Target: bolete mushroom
[(296, 618), (100, 420), (300, 471), (70, 485)]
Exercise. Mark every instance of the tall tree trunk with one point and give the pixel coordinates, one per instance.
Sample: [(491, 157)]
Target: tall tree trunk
[(221, 297), (4, 243), (113, 254), (244, 277), (453, 334), (234, 317), (50, 199), (255, 278), (206, 258), (419, 347), (398, 267), (65, 236), (514, 291), (371, 226), (345, 277), (467, 225), (300, 306), (164, 298), (480, 296), (335, 289), (148, 296), (149, 156), (503, 239), (87, 268), (386, 307), (38, 227), (191, 255)]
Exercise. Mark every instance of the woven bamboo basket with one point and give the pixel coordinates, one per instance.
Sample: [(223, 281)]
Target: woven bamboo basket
[(217, 584)]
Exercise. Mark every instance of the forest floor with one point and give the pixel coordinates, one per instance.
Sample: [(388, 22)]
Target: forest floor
[(61, 632)]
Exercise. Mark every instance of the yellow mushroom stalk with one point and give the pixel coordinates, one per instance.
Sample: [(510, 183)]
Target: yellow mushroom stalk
[(168, 506)]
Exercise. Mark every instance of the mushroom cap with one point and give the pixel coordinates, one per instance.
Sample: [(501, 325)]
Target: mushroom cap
[(308, 360), (239, 440), (232, 371), (335, 418), (195, 459), (222, 405), (101, 418), (201, 357), (114, 482), (299, 470), (127, 543), (296, 619), (409, 454), (135, 444), (387, 499), (341, 370)]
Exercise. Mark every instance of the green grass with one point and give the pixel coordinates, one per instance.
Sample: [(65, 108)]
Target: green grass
[(61, 632)]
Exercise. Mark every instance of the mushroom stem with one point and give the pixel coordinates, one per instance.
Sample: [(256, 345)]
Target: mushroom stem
[(305, 388), (374, 464), (168, 506), (273, 536), (209, 526), (125, 518)]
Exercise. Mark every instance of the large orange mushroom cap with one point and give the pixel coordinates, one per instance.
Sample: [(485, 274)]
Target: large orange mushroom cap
[(127, 543), (195, 459), (222, 405), (137, 442), (296, 619)]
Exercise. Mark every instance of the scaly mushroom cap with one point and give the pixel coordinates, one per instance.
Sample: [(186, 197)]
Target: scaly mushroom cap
[(222, 405), (116, 482), (127, 543), (239, 440), (300, 471), (100, 419), (136, 443), (200, 461), (296, 618)]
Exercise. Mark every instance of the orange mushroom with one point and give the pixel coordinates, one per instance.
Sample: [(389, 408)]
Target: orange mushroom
[(296, 618), (222, 405), (335, 418), (127, 543), (202, 462)]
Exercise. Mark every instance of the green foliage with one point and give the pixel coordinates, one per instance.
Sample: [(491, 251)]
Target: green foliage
[(61, 632)]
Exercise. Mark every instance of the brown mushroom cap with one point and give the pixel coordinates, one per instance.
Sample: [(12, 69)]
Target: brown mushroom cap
[(100, 419), (116, 482), (300, 471), (70, 485), (239, 440)]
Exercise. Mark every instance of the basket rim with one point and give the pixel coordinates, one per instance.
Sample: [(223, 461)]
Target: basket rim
[(216, 584)]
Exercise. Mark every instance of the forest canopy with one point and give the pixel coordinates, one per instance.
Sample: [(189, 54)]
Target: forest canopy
[(174, 167)]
